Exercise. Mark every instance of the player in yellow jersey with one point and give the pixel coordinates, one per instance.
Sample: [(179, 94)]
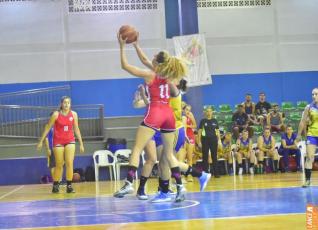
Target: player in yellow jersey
[(225, 150), (244, 150), (310, 114)]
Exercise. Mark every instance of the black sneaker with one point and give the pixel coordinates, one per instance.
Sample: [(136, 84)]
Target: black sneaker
[(69, 189), (56, 188)]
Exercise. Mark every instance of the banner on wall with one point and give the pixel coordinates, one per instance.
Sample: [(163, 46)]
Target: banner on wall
[(192, 49)]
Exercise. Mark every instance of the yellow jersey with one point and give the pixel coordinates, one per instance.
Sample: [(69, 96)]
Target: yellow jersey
[(175, 104), (313, 117)]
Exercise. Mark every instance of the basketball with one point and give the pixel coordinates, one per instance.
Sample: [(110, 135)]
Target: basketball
[(292, 164), (128, 33), (315, 166), (76, 177)]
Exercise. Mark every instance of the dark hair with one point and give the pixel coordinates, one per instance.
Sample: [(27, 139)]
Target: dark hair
[(160, 57), (62, 100), (183, 85), (248, 94), (262, 93)]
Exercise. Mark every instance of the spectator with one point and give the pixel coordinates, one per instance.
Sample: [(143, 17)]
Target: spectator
[(289, 147), (224, 150), (275, 120), (249, 109), (262, 108), (240, 122), (266, 147)]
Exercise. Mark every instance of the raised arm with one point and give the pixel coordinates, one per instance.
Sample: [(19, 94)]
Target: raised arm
[(142, 56), (147, 75)]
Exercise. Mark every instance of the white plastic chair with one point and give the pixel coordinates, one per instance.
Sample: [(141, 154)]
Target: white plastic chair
[(126, 153), (103, 161)]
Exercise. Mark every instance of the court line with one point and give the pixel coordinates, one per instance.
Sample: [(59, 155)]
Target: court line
[(195, 203), (11, 192), (161, 221)]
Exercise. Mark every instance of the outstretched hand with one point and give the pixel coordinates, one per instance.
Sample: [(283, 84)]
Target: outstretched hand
[(121, 41)]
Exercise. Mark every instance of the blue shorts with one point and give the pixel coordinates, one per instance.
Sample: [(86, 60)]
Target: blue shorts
[(312, 140), (157, 138), (180, 138)]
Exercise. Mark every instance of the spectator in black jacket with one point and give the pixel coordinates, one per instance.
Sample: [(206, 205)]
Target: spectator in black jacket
[(262, 108)]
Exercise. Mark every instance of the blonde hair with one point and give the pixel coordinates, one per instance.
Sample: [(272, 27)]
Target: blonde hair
[(171, 67)]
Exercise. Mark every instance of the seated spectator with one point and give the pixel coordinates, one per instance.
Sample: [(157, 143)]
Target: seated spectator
[(224, 150), (289, 147), (240, 122), (244, 150), (266, 147), (249, 109), (262, 108), (275, 120)]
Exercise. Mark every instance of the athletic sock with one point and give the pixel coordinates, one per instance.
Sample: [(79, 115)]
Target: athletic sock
[(131, 173), (176, 174)]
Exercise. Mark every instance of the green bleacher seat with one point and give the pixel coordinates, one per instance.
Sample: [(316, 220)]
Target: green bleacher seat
[(258, 129), (301, 105), (294, 117), (287, 106), (225, 108)]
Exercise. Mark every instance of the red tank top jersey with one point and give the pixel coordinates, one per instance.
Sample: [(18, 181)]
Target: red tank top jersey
[(63, 129), (159, 115), (189, 132), (158, 90)]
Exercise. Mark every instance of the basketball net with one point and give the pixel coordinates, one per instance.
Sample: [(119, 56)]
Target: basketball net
[(82, 5)]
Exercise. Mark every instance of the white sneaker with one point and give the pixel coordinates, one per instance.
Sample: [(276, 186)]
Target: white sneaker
[(180, 194), (251, 170), (240, 171), (307, 184), (126, 189)]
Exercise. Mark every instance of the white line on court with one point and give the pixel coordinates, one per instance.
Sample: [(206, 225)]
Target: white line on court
[(194, 203), (13, 191)]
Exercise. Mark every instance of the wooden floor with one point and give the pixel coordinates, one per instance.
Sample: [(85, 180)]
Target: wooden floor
[(241, 202)]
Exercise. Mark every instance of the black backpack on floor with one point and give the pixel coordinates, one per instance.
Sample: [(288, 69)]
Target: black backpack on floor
[(90, 173)]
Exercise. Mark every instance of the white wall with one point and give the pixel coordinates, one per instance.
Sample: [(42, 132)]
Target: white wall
[(40, 41), (280, 37)]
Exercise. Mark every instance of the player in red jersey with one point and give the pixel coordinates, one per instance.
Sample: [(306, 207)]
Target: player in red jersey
[(65, 122), (164, 69)]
